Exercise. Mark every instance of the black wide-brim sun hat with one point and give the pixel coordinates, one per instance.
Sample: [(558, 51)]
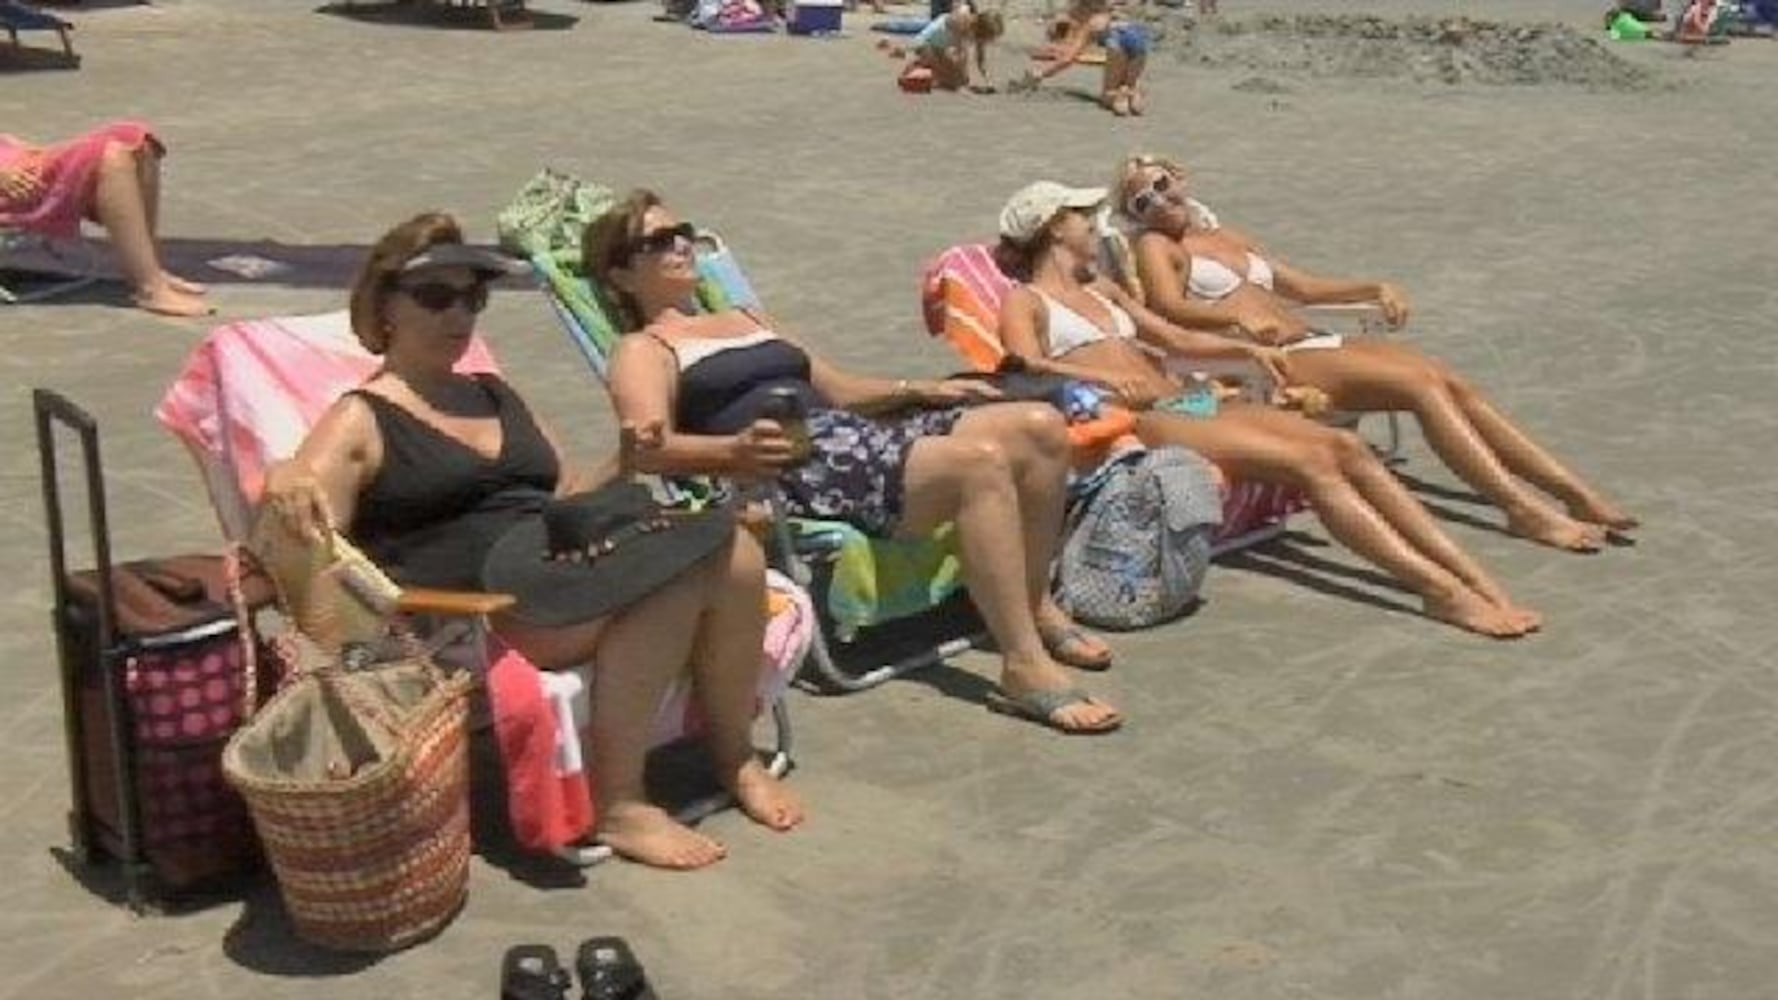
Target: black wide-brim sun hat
[(589, 555)]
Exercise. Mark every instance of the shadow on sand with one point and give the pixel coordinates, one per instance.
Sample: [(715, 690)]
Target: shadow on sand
[(433, 14), (1289, 558)]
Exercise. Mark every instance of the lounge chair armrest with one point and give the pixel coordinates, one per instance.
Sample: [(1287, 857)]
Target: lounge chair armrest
[(429, 601)]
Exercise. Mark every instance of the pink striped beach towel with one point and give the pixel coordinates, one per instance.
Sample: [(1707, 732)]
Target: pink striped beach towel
[(251, 390), (960, 301)]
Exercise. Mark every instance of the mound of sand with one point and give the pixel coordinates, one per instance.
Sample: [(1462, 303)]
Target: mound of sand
[(1451, 50)]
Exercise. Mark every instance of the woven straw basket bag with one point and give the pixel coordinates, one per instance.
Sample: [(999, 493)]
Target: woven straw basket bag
[(358, 783)]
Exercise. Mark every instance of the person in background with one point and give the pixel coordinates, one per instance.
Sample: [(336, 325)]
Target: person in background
[(1126, 45), (111, 176), (947, 43)]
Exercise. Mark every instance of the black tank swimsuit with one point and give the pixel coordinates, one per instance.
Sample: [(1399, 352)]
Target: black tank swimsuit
[(436, 506)]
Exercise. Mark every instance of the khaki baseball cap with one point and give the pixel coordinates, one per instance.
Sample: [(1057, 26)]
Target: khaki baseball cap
[(1034, 205)]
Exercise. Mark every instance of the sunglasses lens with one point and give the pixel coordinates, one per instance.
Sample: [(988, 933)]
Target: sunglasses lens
[(1162, 184), (1142, 203), (432, 297), (665, 240), (438, 296)]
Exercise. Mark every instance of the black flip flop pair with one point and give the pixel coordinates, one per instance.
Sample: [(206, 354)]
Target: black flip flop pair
[(608, 971)]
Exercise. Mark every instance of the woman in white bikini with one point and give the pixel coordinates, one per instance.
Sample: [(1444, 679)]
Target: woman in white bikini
[(1065, 321), (1207, 276)]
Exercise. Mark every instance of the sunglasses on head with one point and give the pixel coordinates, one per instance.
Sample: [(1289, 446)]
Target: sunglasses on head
[(1161, 188), (680, 237), (438, 296)]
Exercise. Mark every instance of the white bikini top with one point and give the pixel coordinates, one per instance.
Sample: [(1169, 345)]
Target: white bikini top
[(1068, 329), (1209, 278)]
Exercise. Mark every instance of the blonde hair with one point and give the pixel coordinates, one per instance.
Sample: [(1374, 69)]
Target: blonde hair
[(608, 245), (1131, 168), (376, 279)]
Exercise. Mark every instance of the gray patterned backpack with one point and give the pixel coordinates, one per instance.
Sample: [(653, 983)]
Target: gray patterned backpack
[(1138, 542)]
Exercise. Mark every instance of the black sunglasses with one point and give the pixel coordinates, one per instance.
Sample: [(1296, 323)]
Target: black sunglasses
[(664, 240), (438, 296)]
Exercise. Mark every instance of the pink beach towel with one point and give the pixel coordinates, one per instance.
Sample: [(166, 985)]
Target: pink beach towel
[(251, 390), (538, 717), (69, 171)]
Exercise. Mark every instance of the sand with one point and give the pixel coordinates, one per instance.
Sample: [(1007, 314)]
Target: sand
[(1422, 49), (1319, 795)]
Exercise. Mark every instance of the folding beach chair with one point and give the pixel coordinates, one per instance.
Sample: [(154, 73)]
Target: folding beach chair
[(1118, 260), (960, 301), (63, 265), (246, 398), (859, 583), (16, 16)]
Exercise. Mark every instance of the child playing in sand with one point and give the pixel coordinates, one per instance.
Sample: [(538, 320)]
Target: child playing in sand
[(1126, 53), (943, 46)]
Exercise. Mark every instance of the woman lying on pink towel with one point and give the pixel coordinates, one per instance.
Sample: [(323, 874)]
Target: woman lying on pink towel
[(110, 175)]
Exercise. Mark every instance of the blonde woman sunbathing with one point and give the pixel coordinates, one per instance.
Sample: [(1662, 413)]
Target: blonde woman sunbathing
[(1065, 321), (893, 458), (1209, 276)]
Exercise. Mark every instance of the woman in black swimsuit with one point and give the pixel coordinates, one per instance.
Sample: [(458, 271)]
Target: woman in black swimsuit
[(427, 469), (697, 386)]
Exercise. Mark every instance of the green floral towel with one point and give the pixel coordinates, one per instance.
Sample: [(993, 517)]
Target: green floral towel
[(550, 213)]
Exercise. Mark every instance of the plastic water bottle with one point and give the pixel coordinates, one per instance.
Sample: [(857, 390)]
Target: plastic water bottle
[(1199, 399)]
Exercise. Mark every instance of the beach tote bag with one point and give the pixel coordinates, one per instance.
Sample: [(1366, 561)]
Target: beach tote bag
[(358, 783), (1138, 544), (550, 214)]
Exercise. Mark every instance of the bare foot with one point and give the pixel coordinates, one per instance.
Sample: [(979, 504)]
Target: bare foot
[(1475, 613), (1119, 104), (1521, 616), (1083, 716), (1557, 530), (185, 285), (646, 833), (1136, 102), (764, 798), (1600, 511), (169, 301)]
